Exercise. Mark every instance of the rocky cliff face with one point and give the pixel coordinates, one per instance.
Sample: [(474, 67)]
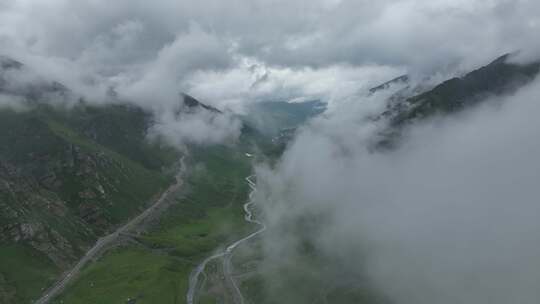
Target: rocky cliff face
[(21, 197), (70, 174), (59, 188)]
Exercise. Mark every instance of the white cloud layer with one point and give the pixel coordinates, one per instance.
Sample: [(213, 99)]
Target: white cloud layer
[(151, 49), (450, 217), (197, 126)]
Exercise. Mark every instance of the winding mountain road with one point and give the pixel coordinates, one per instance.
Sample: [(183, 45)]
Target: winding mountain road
[(110, 239), (227, 253)]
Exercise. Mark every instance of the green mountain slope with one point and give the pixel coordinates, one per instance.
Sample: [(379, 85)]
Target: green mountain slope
[(72, 174), (68, 177), (498, 78), (154, 266)]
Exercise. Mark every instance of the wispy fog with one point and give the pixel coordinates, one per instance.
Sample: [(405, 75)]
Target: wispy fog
[(195, 126), (449, 217)]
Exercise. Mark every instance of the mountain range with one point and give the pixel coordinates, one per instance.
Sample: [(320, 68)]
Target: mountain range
[(71, 174)]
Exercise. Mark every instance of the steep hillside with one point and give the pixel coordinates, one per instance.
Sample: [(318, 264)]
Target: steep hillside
[(403, 79), (500, 77), (71, 172), (68, 177), (190, 102)]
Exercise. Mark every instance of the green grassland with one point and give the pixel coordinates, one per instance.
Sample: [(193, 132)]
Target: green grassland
[(131, 272), (26, 274), (208, 216)]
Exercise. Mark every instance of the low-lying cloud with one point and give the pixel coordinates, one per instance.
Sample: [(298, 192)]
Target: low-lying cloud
[(195, 126), (150, 49), (449, 217), (235, 52)]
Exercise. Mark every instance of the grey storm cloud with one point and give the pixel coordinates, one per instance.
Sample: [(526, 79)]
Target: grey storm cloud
[(449, 217), (126, 43), (199, 127), (219, 51)]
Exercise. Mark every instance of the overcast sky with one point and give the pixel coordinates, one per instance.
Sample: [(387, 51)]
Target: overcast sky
[(230, 52)]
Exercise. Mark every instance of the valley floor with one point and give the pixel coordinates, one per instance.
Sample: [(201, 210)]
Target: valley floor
[(112, 239), (153, 265)]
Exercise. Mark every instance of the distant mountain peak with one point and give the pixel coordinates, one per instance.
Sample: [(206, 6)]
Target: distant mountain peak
[(403, 79), (497, 78), (7, 63), (501, 59), (193, 103)]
